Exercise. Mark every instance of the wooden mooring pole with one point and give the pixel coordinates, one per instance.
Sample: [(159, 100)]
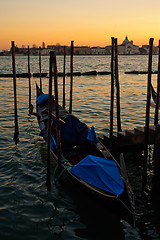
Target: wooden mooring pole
[(156, 155), (156, 164), (57, 113), (112, 89), (29, 80), (49, 120), (158, 89), (16, 132), (71, 79), (117, 88), (64, 74), (146, 129), (40, 68)]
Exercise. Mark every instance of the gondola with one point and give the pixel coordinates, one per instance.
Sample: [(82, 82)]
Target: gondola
[(85, 161), (154, 97)]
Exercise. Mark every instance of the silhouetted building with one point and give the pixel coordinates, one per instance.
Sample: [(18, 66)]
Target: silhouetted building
[(98, 51), (43, 44), (127, 47), (82, 50)]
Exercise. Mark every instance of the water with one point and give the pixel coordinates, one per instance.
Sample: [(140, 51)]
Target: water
[(27, 209)]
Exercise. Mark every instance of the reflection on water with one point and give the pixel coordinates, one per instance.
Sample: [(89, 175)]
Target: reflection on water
[(27, 209)]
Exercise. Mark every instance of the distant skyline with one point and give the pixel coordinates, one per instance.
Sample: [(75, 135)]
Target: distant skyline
[(87, 22)]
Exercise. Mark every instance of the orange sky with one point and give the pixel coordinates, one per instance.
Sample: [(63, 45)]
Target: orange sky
[(87, 22)]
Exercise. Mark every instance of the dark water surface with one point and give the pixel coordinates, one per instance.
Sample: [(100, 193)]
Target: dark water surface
[(27, 209)]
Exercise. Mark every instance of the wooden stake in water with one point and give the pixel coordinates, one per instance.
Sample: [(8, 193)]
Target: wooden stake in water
[(57, 112), (112, 88), (64, 74), (158, 89), (49, 120), (146, 130), (40, 68), (29, 78), (16, 132), (71, 79), (118, 88), (156, 164)]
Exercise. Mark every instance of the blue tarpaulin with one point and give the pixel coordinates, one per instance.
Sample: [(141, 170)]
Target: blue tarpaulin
[(43, 98), (73, 131), (155, 100), (100, 172), (154, 95), (92, 135)]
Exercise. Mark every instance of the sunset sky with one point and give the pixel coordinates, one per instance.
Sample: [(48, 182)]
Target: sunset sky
[(87, 22)]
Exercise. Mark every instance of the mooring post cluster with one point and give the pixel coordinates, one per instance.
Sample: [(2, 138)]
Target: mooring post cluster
[(121, 139), (114, 82), (146, 129), (156, 155), (53, 72)]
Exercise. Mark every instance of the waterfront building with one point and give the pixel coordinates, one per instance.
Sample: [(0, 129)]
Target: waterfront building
[(45, 51), (98, 51), (108, 49), (82, 50), (127, 47), (146, 49)]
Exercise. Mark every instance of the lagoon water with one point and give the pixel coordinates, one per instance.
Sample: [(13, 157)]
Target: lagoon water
[(27, 209)]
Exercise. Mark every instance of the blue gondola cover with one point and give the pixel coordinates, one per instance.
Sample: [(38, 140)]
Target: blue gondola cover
[(92, 135), (100, 172), (154, 96), (73, 131), (43, 98), (155, 100)]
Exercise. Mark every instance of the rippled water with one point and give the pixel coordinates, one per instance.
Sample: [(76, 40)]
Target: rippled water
[(27, 209)]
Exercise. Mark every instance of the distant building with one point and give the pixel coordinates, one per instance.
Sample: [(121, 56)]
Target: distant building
[(155, 50), (23, 50), (43, 44), (145, 46), (34, 51), (145, 49), (127, 47), (108, 50), (5, 53), (45, 51), (51, 47), (84, 50), (59, 49), (98, 51)]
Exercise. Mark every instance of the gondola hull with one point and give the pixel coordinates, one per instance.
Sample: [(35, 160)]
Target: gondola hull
[(75, 152)]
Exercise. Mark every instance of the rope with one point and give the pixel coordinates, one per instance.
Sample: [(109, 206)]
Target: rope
[(54, 173)]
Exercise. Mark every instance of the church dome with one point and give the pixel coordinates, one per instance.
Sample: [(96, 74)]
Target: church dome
[(126, 41)]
